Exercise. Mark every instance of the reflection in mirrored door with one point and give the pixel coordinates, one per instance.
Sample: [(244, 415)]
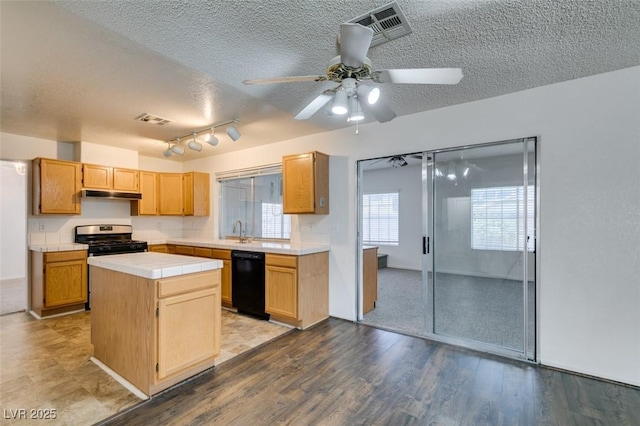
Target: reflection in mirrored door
[(482, 227)]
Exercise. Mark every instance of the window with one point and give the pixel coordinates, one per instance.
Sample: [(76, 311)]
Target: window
[(380, 219), (256, 200), (497, 216)]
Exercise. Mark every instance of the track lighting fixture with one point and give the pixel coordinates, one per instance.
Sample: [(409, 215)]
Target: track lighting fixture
[(167, 152), (194, 144), (210, 138), (175, 147), (233, 132)]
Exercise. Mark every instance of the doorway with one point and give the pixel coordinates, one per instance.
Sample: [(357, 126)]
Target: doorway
[(13, 232), (472, 217)]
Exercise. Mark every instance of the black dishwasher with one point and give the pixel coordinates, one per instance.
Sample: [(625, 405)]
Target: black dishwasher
[(247, 283)]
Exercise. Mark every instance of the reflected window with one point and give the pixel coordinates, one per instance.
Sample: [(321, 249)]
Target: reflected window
[(497, 217), (380, 219)]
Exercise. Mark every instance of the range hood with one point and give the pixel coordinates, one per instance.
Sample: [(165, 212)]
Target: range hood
[(111, 195)]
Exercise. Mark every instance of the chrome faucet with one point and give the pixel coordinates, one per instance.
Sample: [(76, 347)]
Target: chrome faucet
[(241, 239)]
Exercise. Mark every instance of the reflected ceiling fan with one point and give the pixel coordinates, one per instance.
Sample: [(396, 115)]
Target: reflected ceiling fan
[(397, 160), (352, 69)]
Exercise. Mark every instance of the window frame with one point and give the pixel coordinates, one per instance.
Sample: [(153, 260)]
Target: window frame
[(366, 218)]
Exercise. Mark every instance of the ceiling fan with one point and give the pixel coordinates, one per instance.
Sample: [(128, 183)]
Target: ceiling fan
[(352, 69), (397, 160)]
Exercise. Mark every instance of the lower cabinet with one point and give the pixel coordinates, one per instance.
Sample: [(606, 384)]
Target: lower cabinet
[(297, 288), (188, 327), (155, 333), (58, 281), (225, 287), (158, 248)]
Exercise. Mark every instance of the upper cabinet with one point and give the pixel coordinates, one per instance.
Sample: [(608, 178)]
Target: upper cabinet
[(170, 194), (183, 194), (196, 194), (148, 205), (110, 178), (305, 181), (126, 180), (56, 186)]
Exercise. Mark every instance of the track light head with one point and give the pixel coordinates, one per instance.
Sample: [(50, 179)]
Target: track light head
[(194, 145), (176, 148), (233, 132), (167, 152)]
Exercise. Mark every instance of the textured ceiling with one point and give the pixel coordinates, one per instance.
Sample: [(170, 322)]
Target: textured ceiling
[(76, 70)]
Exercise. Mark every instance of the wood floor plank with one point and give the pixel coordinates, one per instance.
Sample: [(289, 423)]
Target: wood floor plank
[(340, 373)]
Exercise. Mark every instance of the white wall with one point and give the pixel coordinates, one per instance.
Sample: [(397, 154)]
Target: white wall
[(590, 226), (408, 182)]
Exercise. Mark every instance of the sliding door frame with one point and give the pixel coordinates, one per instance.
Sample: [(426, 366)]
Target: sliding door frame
[(428, 179)]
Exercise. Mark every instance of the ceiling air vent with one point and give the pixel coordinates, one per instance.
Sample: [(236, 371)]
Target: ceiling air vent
[(387, 22), (152, 119)]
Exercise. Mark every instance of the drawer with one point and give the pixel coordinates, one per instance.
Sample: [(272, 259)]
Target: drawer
[(186, 283), (221, 254), (187, 250), (159, 248), (202, 252), (63, 256), (281, 260)]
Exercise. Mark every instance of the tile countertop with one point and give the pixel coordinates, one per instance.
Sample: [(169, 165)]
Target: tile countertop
[(58, 247), (154, 265), (297, 249)]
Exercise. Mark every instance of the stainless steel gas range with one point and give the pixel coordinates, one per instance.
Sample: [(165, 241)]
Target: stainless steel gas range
[(107, 240)]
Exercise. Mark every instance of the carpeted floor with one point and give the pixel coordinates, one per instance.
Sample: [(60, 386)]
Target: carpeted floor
[(482, 309)]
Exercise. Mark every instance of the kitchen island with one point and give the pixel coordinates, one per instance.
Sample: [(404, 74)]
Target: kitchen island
[(155, 318)]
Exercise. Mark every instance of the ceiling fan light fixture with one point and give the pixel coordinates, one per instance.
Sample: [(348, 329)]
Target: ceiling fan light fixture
[(339, 106), (355, 112), (371, 94)]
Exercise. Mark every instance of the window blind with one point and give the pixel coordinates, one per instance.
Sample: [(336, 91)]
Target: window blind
[(497, 216), (380, 218)]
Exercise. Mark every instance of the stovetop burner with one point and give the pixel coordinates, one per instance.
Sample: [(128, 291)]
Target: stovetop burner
[(108, 239)]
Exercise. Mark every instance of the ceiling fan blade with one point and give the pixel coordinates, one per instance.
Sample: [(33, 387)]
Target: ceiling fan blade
[(314, 106), (354, 44), (379, 110), (418, 76), (293, 79)]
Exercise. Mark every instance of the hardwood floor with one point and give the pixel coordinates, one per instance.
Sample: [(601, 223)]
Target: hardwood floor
[(44, 364), (340, 373)]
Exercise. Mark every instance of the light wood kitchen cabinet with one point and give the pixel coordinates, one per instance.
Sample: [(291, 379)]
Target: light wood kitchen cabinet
[(158, 248), (148, 205), (110, 178), (172, 325), (127, 180), (184, 250), (56, 186), (369, 278), (97, 177), (58, 281), (183, 194), (170, 194), (297, 288), (220, 254), (305, 181), (196, 194), (188, 326), (225, 282)]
